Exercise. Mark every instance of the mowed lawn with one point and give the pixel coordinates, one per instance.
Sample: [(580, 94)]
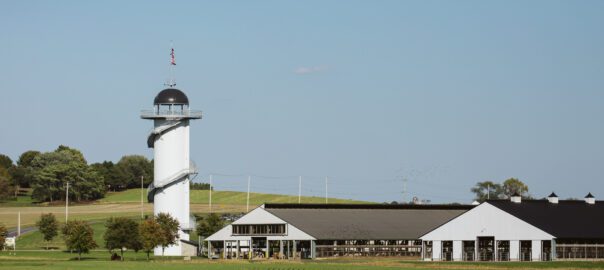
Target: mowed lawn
[(99, 260), (127, 203), (225, 197)]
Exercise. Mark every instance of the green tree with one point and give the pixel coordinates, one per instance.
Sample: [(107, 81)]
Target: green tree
[(169, 230), (122, 233), (3, 235), (112, 175), (48, 226), (23, 171), (200, 186), (514, 185), (150, 234), (52, 170), (132, 167), (6, 184), (79, 236), (209, 225), (487, 190), (5, 161)]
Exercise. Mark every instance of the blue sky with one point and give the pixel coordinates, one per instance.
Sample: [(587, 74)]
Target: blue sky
[(443, 93)]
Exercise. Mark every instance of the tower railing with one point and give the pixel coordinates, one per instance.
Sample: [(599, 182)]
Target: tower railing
[(171, 113)]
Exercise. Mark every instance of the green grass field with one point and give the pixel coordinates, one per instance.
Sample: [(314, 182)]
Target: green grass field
[(31, 254), (127, 203), (34, 241), (224, 197), (100, 260)]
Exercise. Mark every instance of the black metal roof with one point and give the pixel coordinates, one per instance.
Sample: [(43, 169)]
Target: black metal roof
[(589, 195), (567, 219), (553, 195), (366, 206), (366, 221), (171, 96)]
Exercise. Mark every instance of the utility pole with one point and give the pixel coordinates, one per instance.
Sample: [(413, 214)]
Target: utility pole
[(404, 190), (488, 191), (326, 191), (142, 196), (19, 224), (300, 189), (67, 202), (249, 179), (210, 195)]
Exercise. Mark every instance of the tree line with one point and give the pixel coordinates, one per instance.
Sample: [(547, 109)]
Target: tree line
[(121, 233), (47, 174), (491, 190)]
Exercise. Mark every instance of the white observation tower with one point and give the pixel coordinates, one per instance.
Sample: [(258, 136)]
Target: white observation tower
[(173, 169)]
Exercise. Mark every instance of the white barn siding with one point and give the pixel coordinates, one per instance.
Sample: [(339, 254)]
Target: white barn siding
[(457, 250), (514, 250), (260, 216), (486, 220)]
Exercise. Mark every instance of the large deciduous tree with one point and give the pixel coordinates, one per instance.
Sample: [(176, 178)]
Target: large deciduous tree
[(113, 177), (6, 184), (209, 225), (132, 167), (122, 233), (79, 237), (48, 226), (5, 161), (52, 170), (513, 185), (150, 235), (23, 171), (169, 230), (487, 190)]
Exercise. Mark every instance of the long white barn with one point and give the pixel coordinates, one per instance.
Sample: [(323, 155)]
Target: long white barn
[(319, 230), (517, 230)]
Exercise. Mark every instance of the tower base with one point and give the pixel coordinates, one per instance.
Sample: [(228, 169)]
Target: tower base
[(173, 250)]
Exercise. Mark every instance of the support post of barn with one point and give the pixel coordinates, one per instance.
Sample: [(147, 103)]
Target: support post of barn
[(294, 247), (553, 251)]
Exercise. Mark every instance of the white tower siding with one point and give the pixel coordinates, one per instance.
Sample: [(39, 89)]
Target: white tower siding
[(171, 156)]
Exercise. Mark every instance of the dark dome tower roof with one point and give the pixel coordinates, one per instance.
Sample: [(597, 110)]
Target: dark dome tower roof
[(171, 96)]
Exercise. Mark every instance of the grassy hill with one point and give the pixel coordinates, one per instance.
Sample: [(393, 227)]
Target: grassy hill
[(127, 203), (224, 198)]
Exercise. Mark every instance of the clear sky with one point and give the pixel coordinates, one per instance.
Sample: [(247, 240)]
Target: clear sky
[(443, 93)]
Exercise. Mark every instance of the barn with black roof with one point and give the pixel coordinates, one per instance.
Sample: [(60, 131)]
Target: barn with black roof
[(521, 230)]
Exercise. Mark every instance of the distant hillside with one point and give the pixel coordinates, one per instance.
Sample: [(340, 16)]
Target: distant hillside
[(225, 198)]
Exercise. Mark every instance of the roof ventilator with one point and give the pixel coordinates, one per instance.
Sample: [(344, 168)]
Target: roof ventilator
[(553, 198), (516, 198), (590, 199)]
